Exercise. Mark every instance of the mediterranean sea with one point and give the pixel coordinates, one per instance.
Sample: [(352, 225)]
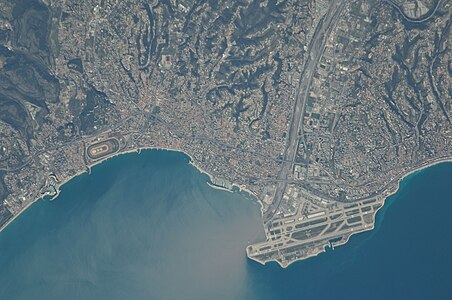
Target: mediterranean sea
[(148, 226)]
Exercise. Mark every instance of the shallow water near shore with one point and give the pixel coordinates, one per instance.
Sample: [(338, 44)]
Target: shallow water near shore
[(148, 226)]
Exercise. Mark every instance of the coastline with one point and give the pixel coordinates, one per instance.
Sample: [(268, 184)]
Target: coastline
[(136, 150), (242, 188), (217, 187), (385, 195)]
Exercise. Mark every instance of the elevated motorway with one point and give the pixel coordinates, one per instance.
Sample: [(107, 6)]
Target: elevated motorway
[(315, 51)]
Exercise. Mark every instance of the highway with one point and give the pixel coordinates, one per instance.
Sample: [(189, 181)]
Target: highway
[(315, 51)]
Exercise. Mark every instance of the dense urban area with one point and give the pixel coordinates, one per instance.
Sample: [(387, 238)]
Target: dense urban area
[(317, 108)]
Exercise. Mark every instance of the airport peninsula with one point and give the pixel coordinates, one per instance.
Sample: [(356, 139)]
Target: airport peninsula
[(317, 108)]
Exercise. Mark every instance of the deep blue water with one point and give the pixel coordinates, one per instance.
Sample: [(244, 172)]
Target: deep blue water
[(149, 227)]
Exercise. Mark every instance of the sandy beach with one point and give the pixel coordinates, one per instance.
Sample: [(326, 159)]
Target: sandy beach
[(191, 162)]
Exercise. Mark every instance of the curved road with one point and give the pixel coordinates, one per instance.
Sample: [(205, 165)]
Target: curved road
[(421, 19)]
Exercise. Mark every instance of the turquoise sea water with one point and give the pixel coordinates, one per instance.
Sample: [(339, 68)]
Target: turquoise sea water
[(149, 227)]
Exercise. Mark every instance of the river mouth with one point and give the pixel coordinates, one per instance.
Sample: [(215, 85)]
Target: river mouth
[(148, 226)]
